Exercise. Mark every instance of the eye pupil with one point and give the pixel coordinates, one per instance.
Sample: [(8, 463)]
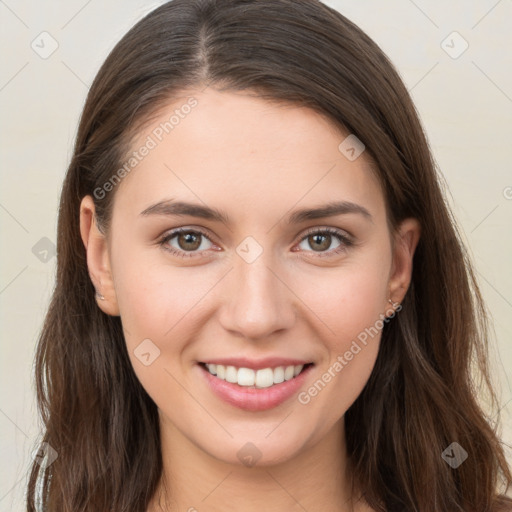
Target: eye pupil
[(189, 238), (323, 245)]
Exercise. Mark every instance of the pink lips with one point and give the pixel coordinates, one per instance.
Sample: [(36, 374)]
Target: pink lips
[(254, 399)]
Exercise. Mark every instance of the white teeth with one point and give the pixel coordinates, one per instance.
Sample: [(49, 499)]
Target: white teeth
[(231, 374), (278, 375), (288, 372), (246, 377), (263, 378), (221, 371)]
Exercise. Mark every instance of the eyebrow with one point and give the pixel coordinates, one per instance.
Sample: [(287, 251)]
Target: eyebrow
[(171, 207), (328, 210), (331, 209)]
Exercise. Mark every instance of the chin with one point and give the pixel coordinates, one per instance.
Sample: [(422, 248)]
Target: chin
[(260, 449)]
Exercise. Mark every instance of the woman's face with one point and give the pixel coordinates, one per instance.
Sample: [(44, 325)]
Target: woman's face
[(254, 281)]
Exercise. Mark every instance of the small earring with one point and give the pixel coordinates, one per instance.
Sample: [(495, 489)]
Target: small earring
[(99, 296), (394, 304)]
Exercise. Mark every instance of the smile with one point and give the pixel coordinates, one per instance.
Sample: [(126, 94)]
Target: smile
[(247, 377), (268, 384)]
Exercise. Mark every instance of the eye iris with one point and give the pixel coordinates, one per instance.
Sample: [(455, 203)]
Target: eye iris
[(324, 244), (189, 238)]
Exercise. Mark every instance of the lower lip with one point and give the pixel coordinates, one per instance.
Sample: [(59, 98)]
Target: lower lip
[(255, 399)]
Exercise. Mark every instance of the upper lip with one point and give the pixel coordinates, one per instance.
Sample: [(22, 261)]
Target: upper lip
[(256, 364)]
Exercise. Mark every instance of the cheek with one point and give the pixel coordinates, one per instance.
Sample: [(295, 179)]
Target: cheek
[(347, 300), (160, 308), (350, 303), (154, 299), (351, 355), (340, 383)]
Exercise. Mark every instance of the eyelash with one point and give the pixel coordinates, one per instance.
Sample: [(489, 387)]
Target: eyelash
[(345, 241)]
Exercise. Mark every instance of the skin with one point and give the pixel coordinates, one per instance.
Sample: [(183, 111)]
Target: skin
[(257, 162)]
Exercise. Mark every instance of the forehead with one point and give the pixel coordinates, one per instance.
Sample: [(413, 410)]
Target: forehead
[(240, 150)]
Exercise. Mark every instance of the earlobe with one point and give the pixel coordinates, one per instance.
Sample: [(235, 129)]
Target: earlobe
[(406, 241), (98, 258)]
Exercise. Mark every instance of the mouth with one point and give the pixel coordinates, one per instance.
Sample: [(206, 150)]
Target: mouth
[(250, 378), (266, 385)]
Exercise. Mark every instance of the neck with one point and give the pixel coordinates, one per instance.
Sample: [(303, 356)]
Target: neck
[(317, 478)]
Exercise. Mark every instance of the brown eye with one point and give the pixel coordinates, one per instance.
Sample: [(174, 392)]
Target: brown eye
[(319, 242), (186, 242), (189, 241)]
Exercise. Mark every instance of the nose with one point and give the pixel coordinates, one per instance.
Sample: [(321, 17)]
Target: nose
[(258, 302)]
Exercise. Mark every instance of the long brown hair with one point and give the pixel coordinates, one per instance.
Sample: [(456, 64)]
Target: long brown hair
[(421, 396)]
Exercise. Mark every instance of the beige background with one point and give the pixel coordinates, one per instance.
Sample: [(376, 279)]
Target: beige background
[(465, 104)]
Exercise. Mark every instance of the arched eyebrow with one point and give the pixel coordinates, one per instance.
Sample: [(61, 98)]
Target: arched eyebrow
[(328, 210), (170, 207), (176, 208)]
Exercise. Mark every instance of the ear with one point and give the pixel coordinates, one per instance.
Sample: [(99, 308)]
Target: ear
[(98, 259), (405, 243)]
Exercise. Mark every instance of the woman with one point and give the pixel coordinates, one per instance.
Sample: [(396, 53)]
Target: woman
[(262, 301)]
